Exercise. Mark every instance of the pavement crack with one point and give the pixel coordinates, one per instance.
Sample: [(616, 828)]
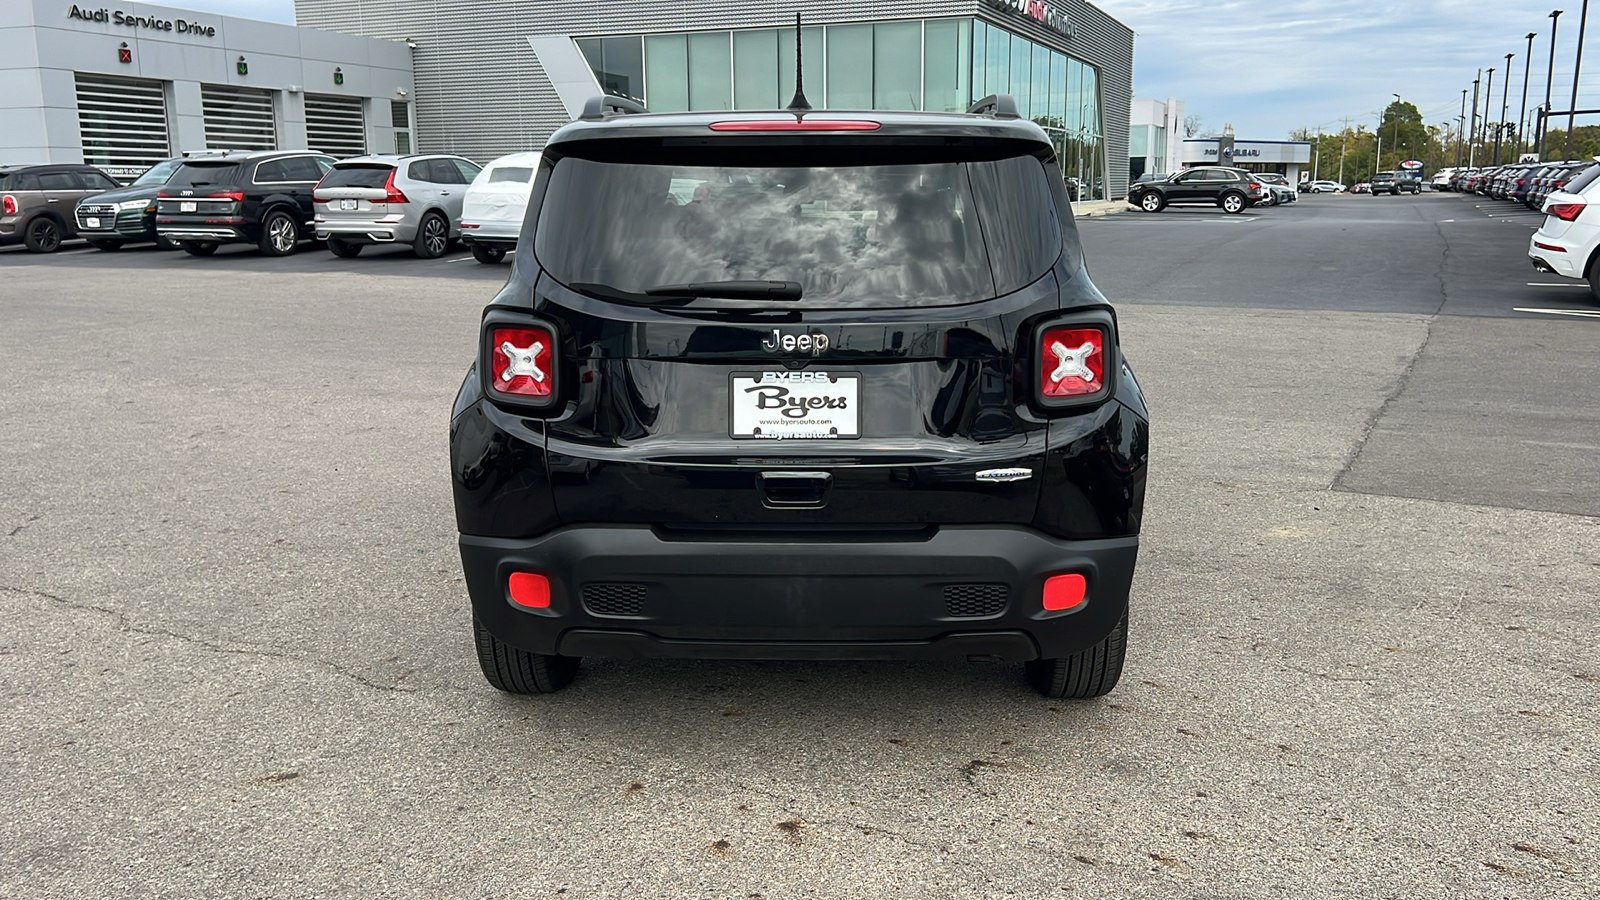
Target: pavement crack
[(124, 624)]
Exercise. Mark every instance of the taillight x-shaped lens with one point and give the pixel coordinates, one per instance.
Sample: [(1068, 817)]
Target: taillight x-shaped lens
[(1072, 362), (520, 361)]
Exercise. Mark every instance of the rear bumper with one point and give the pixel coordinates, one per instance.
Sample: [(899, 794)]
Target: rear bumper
[(367, 231), (203, 233), (948, 593), (1565, 262), (493, 234)]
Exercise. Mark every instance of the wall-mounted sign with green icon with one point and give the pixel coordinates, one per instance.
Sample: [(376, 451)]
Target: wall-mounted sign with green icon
[(338, 75), (242, 66)]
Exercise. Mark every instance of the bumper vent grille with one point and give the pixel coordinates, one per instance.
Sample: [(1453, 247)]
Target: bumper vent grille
[(614, 599), (975, 599)]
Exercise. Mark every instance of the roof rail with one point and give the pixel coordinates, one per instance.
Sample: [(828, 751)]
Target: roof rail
[(1000, 106), (602, 106)]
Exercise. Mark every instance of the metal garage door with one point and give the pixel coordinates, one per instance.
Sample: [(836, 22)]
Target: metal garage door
[(122, 123), (237, 118), (335, 125)]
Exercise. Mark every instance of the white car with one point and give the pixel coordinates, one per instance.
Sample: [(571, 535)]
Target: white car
[(1326, 187), (1565, 244), (491, 215)]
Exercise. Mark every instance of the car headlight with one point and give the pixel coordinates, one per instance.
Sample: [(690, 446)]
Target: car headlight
[(133, 204)]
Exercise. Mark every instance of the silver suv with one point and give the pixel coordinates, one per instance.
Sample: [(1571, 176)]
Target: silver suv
[(387, 199)]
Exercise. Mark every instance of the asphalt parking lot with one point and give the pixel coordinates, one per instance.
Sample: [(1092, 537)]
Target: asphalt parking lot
[(236, 659)]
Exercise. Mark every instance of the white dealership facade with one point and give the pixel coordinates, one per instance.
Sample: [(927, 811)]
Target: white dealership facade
[(125, 85)]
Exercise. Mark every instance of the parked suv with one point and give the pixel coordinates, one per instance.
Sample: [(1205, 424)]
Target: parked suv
[(36, 202), (261, 198), (1235, 190), (127, 214), (800, 385), (387, 199), (1384, 183), (497, 201), (1568, 243)]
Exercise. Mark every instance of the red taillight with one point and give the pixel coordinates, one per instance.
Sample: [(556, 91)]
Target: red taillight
[(394, 194), (519, 362), (1552, 247), (798, 125), (1566, 212), (9, 204), (1072, 362), (529, 589), (1064, 591), (235, 196)]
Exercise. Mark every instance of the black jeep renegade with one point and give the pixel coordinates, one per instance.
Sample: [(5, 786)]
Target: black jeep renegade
[(800, 385)]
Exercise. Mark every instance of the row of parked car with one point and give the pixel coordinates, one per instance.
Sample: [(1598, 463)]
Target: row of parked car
[(276, 200), (1527, 183)]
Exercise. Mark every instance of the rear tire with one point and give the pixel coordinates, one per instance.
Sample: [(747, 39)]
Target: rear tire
[(1090, 673), (1594, 280), (1232, 204), (102, 244), (165, 243), (487, 255), (517, 671), (43, 235), (199, 248), (279, 234), (433, 237), (343, 249)]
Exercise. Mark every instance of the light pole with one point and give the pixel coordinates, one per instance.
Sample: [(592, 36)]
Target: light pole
[(1461, 129), (1488, 104), (1583, 19), (1527, 67), (1472, 148), (1505, 103), (1396, 142), (1549, 76)]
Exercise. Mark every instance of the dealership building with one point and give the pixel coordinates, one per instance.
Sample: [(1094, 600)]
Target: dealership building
[(496, 76), (125, 85)]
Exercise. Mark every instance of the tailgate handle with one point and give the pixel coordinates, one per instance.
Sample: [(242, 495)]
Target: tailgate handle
[(791, 490)]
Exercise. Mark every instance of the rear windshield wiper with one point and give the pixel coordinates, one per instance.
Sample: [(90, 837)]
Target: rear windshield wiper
[(730, 290)]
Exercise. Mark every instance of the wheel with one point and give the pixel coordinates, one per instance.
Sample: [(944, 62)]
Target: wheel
[(1090, 673), (1233, 204), (517, 671), (199, 248), (344, 249), (103, 244), (165, 243), (279, 234), (43, 235), (1151, 201), (433, 237), (487, 255), (1594, 282)]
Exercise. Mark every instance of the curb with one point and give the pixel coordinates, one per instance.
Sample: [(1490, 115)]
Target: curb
[(1093, 208)]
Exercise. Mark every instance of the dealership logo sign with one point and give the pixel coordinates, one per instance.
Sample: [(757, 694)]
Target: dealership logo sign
[(128, 20), (1049, 16), (1236, 151)]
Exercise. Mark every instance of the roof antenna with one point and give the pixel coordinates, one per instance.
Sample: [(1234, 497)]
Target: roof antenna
[(798, 105)]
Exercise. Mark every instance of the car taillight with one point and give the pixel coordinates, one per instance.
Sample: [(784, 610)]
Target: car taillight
[(1566, 212), (235, 196), (395, 195), (797, 125), (1071, 363), (9, 204), (520, 362)]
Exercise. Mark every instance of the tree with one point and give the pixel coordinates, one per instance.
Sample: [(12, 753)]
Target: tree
[(1191, 125), (1402, 131)]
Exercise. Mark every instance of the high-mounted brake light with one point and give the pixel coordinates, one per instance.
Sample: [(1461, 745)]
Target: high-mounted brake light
[(1566, 212), (9, 204), (520, 362), (1071, 362), (797, 125), (395, 195)]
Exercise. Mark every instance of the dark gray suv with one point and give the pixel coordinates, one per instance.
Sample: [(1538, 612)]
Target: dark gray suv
[(1235, 190), (37, 202)]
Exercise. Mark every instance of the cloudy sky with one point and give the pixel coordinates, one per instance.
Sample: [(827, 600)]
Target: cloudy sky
[(1269, 66)]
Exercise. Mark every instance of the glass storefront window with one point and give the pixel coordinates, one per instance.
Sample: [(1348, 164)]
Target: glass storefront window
[(666, 66), (810, 58), (980, 40), (1021, 80), (997, 63), (1039, 105), (946, 46), (617, 63), (897, 65), (711, 70), (755, 70), (849, 67)]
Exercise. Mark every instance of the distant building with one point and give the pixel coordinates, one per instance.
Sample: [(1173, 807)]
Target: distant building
[(1284, 157), (1155, 137)]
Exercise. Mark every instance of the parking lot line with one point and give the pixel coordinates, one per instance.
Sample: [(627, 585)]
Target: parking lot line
[(1585, 313), (1576, 284)]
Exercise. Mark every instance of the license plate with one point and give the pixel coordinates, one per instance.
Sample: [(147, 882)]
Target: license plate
[(186, 206), (347, 204), (778, 406), (92, 222)]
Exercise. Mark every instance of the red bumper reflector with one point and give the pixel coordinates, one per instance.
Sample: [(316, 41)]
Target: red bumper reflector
[(798, 125), (1064, 591), (530, 590), (1551, 247)]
